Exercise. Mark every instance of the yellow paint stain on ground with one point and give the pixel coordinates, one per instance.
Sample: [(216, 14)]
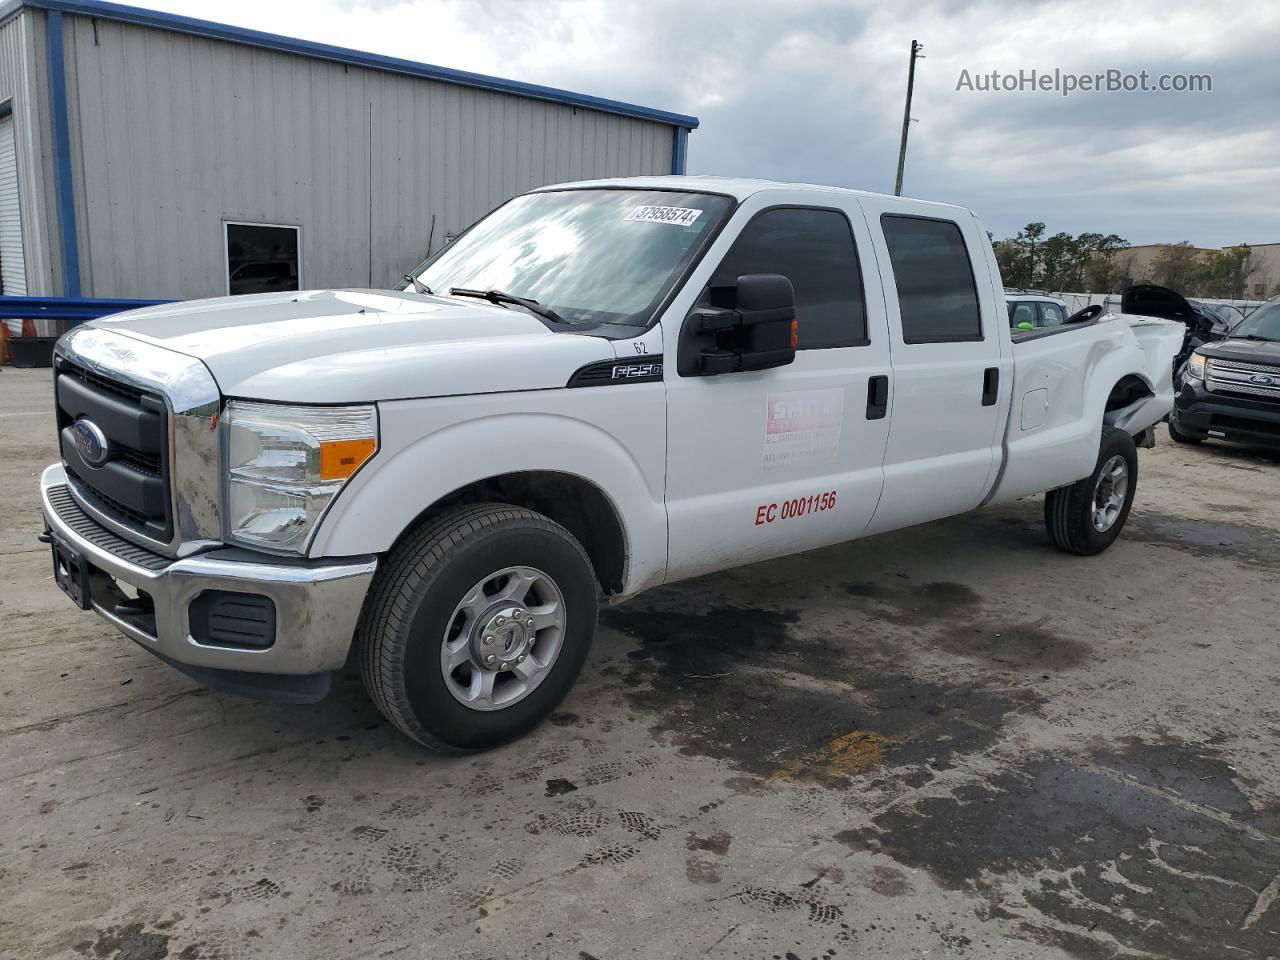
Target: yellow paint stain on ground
[(852, 753)]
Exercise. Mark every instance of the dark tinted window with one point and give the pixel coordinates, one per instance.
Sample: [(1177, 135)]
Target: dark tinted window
[(261, 259), (936, 292), (814, 250)]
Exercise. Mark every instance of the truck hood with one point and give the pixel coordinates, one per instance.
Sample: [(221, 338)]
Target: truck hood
[(1245, 351), (352, 346)]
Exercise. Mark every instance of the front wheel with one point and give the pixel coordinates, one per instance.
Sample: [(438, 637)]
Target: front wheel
[(477, 626), (1086, 517)]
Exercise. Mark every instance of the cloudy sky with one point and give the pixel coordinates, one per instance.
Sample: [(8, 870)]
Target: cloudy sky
[(813, 90)]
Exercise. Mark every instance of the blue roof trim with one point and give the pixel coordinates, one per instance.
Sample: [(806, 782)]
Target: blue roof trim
[(679, 150), (324, 51), (64, 189)]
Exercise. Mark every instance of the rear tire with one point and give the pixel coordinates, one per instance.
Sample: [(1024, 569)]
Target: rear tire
[(1086, 517), (477, 625), (1179, 437)]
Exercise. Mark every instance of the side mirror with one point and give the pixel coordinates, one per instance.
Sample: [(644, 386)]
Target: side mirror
[(1219, 330), (747, 325)]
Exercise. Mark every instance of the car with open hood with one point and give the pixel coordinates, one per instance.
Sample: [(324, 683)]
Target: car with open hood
[(1229, 388)]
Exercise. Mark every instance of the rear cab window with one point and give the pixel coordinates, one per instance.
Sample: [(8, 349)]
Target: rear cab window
[(937, 293)]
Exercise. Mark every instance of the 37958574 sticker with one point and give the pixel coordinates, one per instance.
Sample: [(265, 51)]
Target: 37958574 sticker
[(653, 213), (795, 507)]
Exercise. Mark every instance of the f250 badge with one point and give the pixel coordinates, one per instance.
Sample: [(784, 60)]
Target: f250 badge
[(633, 371), (608, 373)]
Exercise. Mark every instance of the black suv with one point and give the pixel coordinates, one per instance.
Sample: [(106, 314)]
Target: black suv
[(1230, 387)]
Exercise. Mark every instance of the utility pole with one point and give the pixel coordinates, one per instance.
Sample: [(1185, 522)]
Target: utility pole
[(906, 114)]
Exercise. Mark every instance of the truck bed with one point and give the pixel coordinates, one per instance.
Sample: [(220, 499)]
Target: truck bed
[(1064, 390)]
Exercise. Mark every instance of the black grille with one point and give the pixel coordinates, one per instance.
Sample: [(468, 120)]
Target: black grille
[(131, 486), (120, 511), (1229, 423), (70, 513), (122, 390), (148, 463), (1232, 389)]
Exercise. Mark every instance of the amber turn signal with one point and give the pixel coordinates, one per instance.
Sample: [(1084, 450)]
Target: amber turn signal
[(339, 459)]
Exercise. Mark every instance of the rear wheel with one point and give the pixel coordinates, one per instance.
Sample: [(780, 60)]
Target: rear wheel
[(1086, 517), (477, 626)]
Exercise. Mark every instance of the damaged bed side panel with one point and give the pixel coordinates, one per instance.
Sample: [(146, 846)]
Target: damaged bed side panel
[(1062, 385)]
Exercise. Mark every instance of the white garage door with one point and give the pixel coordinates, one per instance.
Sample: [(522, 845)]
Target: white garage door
[(13, 269)]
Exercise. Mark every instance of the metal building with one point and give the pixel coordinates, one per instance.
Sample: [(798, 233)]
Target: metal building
[(147, 155)]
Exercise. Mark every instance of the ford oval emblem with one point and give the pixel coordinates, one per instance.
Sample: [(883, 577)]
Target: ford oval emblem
[(1262, 380), (91, 442)]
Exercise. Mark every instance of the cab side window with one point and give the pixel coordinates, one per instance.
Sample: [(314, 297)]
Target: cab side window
[(937, 296), (814, 249), (1022, 313)]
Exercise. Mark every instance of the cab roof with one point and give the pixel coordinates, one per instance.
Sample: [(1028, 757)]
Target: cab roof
[(740, 188)]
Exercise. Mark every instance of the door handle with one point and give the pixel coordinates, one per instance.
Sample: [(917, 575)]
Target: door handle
[(877, 397), (990, 386)]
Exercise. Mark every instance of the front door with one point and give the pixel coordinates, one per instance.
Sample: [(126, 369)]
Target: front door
[(770, 462)]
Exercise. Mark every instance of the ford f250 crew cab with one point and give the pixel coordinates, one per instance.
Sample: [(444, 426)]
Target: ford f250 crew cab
[(598, 388)]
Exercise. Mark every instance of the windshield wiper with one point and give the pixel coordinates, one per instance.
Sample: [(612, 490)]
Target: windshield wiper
[(498, 296), (1253, 336), (418, 285)]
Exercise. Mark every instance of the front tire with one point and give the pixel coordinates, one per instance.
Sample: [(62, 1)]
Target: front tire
[(1086, 517), (477, 626)]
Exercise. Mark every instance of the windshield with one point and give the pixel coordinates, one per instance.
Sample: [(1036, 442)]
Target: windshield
[(1262, 324), (598, 256)]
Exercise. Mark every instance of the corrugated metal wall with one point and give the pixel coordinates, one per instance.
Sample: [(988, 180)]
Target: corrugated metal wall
[(24, 83), (173, 134)]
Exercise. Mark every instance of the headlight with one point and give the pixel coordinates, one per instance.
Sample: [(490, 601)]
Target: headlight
[(1195, 366), (286, 464)]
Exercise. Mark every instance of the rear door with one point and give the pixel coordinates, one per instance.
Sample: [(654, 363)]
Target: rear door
[(771, 462), (947, 415)]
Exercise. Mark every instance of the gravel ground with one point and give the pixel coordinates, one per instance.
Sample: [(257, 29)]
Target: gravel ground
[(951, 741)]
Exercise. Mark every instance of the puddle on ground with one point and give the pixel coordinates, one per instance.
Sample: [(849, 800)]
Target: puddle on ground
[(755, 688), (1151, 847), (966, 633), (1242, 542)]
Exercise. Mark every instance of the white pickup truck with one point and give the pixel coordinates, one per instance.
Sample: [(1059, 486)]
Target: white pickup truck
[(599, 388)]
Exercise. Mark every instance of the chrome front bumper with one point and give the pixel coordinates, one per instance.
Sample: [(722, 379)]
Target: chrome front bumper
[(317, 604)]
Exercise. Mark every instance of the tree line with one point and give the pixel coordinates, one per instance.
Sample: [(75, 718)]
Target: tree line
[(1098, 263)]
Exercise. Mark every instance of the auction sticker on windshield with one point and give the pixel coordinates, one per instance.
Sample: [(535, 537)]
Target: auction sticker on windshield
[(679, 216)]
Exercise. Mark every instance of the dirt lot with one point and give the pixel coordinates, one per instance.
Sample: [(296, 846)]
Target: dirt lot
[(950, 741)]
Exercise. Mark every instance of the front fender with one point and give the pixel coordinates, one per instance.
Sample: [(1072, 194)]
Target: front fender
[(427, 452)]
